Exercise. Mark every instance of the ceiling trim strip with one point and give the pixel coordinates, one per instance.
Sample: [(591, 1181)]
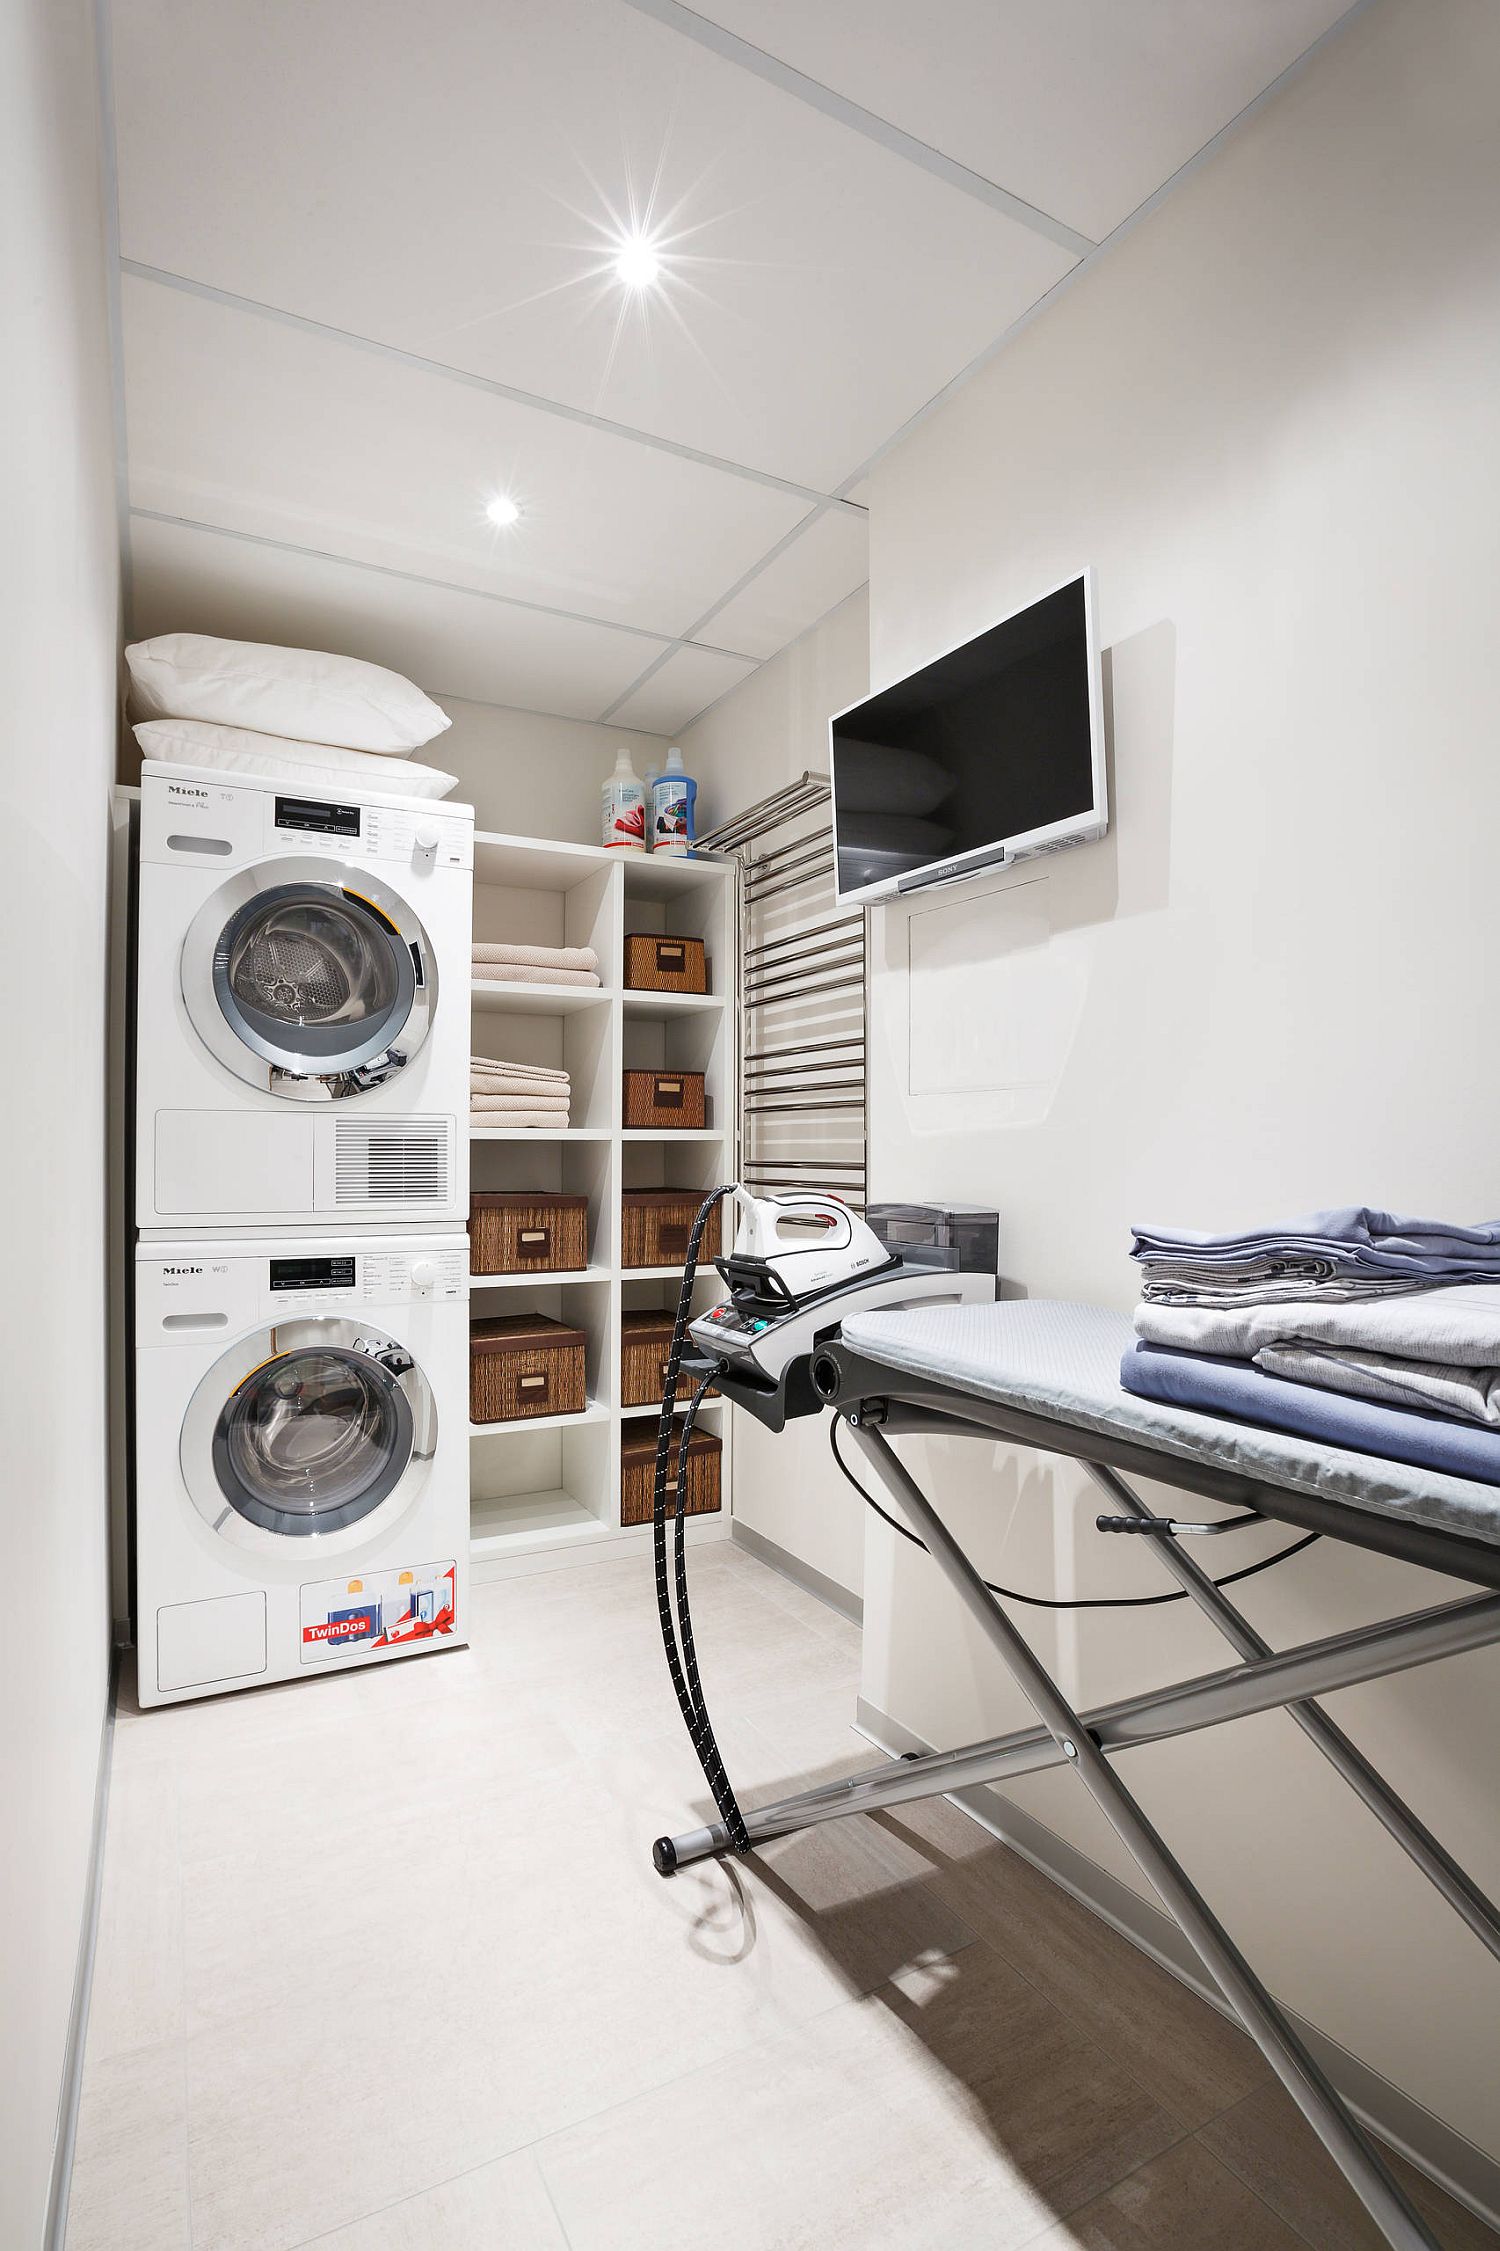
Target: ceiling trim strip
[(442, 585), (190, 287), (732, 48)]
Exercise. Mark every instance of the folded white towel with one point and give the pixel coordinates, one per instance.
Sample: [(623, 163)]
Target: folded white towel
[(522, 973), (517, 1070), (537, 957), (502, 1106)]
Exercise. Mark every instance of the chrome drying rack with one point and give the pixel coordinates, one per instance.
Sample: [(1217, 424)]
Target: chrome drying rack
[(800, 998)]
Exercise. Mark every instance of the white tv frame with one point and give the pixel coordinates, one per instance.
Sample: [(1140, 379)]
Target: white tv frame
[(984, 859)]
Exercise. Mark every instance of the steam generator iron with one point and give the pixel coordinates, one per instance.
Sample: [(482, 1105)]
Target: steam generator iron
[(799, 1265)]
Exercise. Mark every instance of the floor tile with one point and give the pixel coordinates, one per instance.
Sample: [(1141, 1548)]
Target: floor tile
[(1190, 2055), (1267, 2143), (502, 2207), (1183, 2200), (129, 2189), (957, 2109)]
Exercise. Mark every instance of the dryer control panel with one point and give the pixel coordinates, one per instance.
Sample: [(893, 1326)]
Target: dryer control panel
[(207, 820), (186, 1296)]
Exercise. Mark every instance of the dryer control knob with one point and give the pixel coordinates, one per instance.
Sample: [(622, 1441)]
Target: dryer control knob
[(424, 1273), (427, 839)]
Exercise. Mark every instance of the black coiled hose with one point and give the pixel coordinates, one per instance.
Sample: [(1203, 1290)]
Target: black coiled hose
[(677, 1624)]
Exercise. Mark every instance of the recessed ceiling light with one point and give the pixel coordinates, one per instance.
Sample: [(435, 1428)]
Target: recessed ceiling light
[(637, 264), (502, 510)]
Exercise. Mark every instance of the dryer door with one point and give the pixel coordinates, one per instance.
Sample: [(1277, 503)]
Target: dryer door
[(306, 1429), (309, 980)]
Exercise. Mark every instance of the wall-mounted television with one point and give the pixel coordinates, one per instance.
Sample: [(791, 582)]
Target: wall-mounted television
[(992, 752)]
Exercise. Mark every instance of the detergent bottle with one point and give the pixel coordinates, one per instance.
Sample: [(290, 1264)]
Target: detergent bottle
[(673, 799), (624, 808)]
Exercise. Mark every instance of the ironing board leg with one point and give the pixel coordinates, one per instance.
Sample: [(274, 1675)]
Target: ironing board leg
[(1354, 2154), (1395, 1816)]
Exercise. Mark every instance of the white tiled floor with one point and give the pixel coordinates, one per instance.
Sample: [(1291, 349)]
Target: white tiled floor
[(384, 1966)]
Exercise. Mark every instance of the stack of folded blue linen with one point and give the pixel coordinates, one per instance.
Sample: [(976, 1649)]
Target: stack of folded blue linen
[(1358, 1328)]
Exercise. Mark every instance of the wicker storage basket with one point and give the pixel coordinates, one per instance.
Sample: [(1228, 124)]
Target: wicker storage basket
[(638, 1477), (655, 1224), (645, 1341), (523, 1364), (654, 964), (665, 1098), (517, 1232)]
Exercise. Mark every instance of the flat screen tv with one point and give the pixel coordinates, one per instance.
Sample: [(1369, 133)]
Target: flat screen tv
[(988, 754)]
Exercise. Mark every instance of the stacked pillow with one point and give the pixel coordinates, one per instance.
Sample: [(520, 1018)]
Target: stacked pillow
[(246, 707)]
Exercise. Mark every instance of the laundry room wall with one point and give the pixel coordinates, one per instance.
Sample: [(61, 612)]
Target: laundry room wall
[(764, 733), (1267, 420), (59, 604), (528, 774)]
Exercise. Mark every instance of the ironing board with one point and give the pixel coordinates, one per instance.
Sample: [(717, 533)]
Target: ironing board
[(1046, 1375)]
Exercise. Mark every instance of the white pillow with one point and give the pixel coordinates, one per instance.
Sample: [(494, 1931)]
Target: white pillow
[(236, 750), (301, 693)]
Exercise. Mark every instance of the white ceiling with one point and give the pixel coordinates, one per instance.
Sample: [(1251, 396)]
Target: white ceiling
[(367, 285)]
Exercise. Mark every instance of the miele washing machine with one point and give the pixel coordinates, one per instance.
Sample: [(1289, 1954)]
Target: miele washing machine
[(302, 1457), (302, 1006)]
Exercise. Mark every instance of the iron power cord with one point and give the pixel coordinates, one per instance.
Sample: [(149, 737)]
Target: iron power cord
[(677, 1629), (1048, 1602)]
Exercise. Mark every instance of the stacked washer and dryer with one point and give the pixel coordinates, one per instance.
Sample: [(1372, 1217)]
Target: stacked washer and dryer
[(301, 1304)]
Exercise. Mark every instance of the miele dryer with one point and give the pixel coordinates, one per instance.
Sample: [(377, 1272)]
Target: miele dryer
[(302, 1457), (302, 1006)]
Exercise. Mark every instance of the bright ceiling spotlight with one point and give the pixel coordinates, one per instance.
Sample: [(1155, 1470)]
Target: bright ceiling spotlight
[(502, 510), (637, 264)]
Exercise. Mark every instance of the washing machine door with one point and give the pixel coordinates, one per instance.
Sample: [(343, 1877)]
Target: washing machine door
[(309, 980), (306, 1429)]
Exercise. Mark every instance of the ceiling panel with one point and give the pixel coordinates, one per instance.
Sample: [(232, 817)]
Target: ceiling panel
[(690, 679), (450, 179), (806, 580), (186, 581), (1080, 107), (239, 420)]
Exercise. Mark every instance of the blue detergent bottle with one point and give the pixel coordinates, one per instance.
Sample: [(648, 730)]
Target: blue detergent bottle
[(674, 796)]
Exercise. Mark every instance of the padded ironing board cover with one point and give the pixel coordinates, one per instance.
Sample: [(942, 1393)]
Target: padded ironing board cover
[(1063, 1361)]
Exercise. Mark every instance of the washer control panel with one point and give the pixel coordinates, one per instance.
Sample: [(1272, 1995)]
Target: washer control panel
[(187, 1298), (202, 819)]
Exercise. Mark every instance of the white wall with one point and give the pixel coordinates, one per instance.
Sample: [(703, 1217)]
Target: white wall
[(764, 733), (1268, 420), (58, 604), (529, 774)]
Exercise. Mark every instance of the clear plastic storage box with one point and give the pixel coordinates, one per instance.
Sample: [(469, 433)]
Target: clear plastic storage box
[(962, 1238)]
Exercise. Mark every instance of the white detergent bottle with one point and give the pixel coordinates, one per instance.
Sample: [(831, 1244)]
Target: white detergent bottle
[(624, 808), (672, 801)]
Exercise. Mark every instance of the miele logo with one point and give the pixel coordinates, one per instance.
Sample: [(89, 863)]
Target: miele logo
[(182, 1270), (187, 789)]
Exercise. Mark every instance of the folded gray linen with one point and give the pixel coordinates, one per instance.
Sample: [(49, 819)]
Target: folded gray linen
[(530, 973), (1264, 1281), (1350, 1236), (1437, 1349), (537, 957)]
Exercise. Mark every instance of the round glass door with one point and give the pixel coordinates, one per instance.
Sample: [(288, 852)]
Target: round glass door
[(306, 1430), (308, 979)]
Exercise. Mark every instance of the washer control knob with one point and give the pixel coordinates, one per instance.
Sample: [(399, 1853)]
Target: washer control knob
[(424, 1273), (425, 843)]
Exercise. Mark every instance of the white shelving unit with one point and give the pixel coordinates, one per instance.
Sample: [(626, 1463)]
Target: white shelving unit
[(548, 1490)]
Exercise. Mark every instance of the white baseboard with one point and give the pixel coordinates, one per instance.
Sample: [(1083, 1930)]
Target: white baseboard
[(56, 2225), (801, 1574), (1468, 2173)]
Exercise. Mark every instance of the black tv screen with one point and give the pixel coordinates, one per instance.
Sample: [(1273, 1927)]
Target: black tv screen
[(989, 753)]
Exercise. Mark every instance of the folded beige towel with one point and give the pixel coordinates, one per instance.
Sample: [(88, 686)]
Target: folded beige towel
[(518, 1114), (538, 957), (523, 973), (540, 1071), (522, 1090)]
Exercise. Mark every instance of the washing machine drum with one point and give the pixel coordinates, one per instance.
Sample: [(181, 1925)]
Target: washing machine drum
[(307, 1429), (309, 980)]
